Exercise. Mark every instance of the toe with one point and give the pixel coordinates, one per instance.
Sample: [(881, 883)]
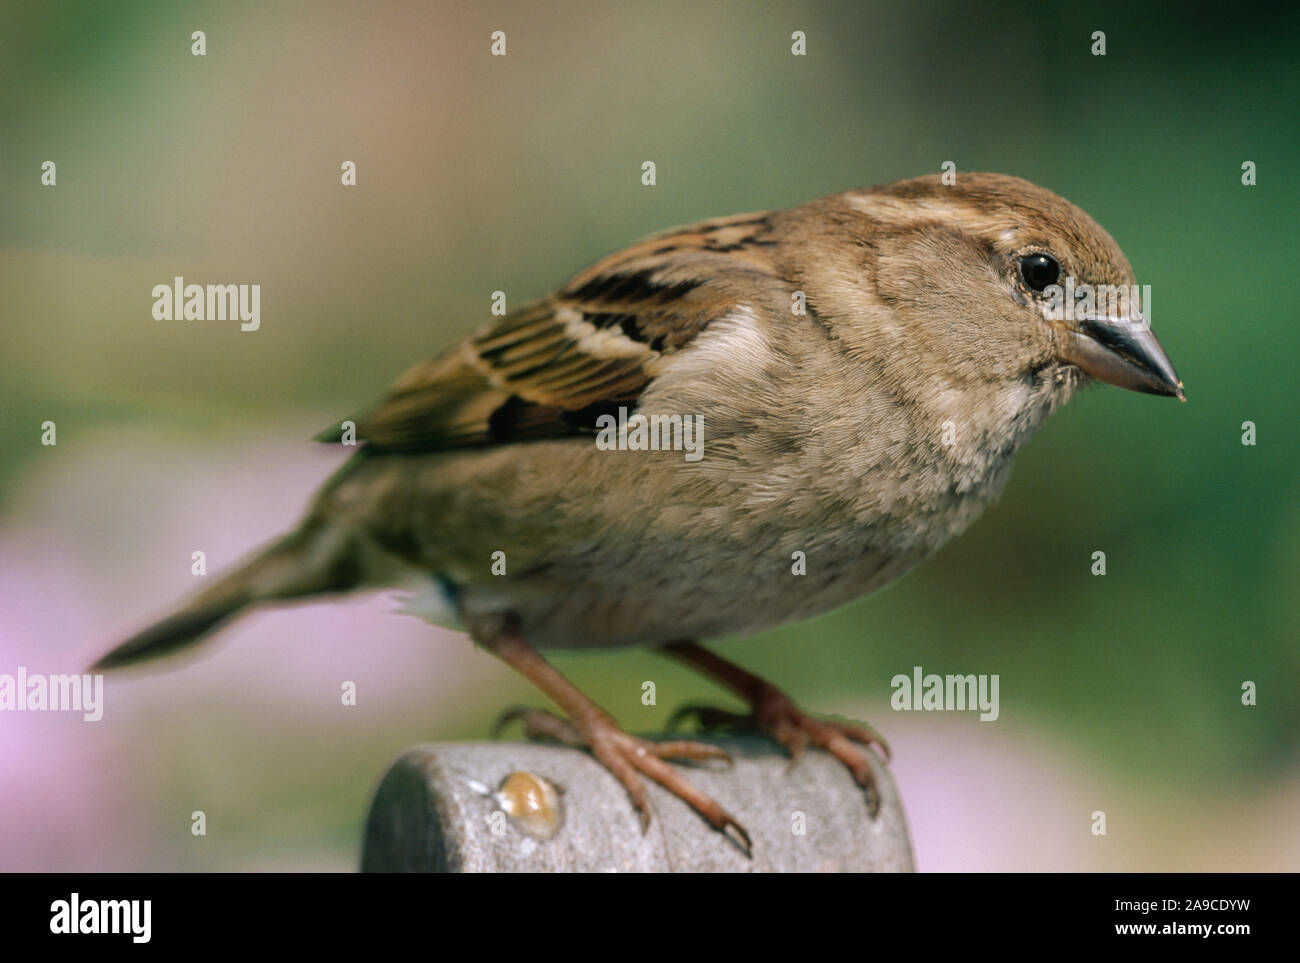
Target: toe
[(706, 806), (687, 749), (540, 724), (865, 735), (614, 758)]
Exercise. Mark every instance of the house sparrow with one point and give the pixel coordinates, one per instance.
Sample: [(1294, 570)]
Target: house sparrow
[(865, 366)]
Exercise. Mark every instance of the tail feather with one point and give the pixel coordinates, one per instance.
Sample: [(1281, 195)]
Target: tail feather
[(174, 632), (315, 560)]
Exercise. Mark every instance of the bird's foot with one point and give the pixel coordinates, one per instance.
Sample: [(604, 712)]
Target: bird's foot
[(774, 714), (629, 758)]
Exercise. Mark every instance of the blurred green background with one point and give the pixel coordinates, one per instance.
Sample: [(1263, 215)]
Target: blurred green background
[(477, 173)]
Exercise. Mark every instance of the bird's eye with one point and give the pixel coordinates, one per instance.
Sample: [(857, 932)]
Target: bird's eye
[(1039, 270)]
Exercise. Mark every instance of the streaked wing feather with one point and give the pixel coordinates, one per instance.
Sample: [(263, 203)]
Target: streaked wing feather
[(546, 370)]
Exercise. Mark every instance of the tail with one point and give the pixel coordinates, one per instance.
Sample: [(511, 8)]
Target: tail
[(315, 560)]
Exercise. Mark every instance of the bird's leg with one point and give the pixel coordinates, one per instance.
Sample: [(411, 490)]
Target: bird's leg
[(624, 755), (772, 712)]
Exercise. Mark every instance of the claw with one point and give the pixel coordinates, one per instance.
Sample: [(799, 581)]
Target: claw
[(737, 834), (508, 716)]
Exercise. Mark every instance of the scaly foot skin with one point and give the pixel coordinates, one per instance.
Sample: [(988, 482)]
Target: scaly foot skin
[(774, 714), (629, 757)]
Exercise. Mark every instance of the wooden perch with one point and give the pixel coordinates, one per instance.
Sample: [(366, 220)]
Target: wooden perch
[(455, 807)]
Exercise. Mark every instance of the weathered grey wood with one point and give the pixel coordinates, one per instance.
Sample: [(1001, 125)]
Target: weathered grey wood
[(434, 812)]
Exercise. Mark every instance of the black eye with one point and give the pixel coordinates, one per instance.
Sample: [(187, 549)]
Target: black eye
[(1039, 270)]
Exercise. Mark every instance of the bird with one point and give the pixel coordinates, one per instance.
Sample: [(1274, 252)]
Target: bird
[(853, 377)]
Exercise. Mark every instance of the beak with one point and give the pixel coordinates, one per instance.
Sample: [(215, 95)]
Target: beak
[(1120, 352)]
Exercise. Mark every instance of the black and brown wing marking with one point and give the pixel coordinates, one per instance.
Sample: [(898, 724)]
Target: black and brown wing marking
[(550, 368)]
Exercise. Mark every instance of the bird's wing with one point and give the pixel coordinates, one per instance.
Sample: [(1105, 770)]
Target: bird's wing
[(551, 368)]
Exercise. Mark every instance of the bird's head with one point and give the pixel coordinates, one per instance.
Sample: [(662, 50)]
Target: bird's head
[(1006, 284)]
